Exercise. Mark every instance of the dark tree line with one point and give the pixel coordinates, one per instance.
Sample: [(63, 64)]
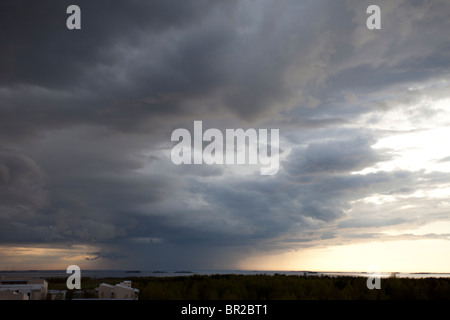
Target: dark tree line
[(271, 287), (266, 287)]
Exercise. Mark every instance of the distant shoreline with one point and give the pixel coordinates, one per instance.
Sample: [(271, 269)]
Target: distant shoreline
[(168, 273)]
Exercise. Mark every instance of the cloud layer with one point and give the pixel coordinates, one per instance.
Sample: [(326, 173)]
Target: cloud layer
[(86, 118)]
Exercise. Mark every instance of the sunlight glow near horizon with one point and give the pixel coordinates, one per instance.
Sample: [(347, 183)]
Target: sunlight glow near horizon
[(417, 144), (389, 256), (44, 258)]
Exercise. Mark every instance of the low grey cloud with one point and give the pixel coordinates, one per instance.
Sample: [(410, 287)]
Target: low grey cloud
[(334, 156)]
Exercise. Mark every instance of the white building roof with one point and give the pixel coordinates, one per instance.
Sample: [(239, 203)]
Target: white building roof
[(107, 285), (125, 287), (14, 287)]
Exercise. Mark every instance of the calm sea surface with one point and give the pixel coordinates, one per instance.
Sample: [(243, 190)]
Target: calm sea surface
[(171, 273)]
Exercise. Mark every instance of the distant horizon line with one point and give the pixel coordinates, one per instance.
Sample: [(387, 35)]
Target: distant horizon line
[(219, 270)]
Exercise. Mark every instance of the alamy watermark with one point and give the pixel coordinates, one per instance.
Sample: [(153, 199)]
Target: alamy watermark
[(374, 21), (74, 20), (374, 280), (74, 281), (241, 147)]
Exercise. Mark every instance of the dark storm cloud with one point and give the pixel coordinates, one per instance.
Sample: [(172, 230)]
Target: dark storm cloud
[(134, 73), (86, 118), (138, 66), (42, 52), (22, 181)]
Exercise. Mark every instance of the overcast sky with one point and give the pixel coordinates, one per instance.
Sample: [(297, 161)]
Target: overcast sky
[(86, 118)]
